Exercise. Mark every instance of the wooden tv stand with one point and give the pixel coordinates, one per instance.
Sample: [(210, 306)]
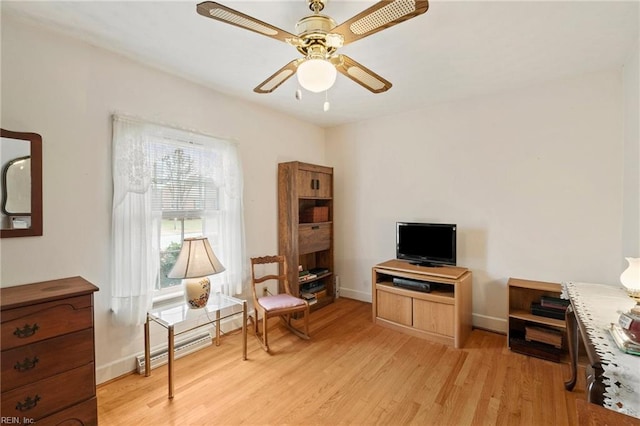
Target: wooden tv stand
[(442, 315)]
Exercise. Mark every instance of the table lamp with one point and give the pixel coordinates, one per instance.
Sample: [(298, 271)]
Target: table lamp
[(195, 263), (630, 279)]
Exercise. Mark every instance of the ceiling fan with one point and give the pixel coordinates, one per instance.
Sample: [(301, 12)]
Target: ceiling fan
[(318, 39)]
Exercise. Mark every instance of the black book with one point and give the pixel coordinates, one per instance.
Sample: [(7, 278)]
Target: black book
[(538, 309), (554, 303)]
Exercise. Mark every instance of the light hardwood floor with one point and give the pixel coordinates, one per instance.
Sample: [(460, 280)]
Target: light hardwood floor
[(350, 372)]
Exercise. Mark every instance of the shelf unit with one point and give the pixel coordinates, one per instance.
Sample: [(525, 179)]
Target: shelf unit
[(442, 315), (306, 240), (521, 294)]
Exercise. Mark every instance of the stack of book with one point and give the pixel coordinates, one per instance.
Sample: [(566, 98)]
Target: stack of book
[(313, 288), (319, 271), (309, 297), (550, 307), (306, 276), (546, 335), (626, 333)]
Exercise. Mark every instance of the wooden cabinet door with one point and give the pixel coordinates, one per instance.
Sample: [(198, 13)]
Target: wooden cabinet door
[(313, 184), (434, 317), (306, 182), (394, 307), (323, 185), (312, 238)]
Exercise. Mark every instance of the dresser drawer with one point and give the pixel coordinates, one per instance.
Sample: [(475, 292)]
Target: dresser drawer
[(47, 396), (26, 325), (312, 238), (83, 414), (28, 364)]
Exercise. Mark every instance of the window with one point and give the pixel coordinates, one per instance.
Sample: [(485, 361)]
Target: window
[(170, 184), (185, 192)]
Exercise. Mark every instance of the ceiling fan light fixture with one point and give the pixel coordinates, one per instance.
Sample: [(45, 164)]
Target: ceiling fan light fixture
[(316, 75)]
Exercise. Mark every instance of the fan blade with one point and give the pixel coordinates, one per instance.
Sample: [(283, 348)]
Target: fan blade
[(213, 10), (360, 74), (279, 77), (382, 15)]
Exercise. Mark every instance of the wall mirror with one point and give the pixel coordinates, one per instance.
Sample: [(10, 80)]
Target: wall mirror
[(21, 168)]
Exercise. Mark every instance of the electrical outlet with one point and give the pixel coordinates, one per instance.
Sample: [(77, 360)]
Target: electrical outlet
[(265, 291)]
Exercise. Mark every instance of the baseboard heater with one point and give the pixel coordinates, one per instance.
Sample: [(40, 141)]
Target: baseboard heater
[(181, 348)]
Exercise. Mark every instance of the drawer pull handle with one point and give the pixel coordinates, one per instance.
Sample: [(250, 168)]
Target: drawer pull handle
[(28, 403), (27, 364), (315, 227), (26, 331)]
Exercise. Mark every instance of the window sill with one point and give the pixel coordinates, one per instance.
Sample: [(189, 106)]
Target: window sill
[(162, 299)]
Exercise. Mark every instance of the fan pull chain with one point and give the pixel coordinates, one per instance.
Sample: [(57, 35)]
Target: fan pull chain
[(326, 105), (298, 93)]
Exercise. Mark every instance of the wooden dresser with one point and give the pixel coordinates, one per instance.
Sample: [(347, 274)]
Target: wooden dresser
[(48, 355)]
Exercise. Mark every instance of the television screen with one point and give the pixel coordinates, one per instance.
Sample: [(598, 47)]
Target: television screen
[(428, 244)]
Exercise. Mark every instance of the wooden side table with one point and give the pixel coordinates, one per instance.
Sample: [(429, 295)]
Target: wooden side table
[(613, 377)]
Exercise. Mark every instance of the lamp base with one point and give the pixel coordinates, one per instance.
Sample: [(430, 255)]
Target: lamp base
[(196, 292), (635, 295)]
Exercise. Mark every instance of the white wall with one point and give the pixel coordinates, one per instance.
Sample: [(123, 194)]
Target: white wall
[(532, 177), (66, 91), (631, 212)]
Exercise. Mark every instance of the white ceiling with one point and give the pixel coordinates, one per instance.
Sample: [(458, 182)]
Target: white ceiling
[(457, 49)]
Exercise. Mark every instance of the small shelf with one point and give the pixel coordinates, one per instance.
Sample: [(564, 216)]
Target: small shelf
[(517, 343), (439, 295), (312, 280), (312, 224), (527, 316), (534, 285), (522, 293)]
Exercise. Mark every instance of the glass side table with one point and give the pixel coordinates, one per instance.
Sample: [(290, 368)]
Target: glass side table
[(178, 318)]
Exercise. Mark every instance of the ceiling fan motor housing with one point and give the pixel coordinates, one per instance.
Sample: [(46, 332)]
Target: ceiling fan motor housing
[(312, 31)]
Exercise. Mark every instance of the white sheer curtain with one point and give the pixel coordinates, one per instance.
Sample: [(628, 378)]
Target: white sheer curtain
[(135, 252), (136, 220), (230, 244)]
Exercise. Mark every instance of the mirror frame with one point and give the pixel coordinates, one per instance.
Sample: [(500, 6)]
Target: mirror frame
[(36, 185)]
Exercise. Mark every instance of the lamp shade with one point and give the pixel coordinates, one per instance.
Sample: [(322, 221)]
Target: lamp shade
[(316, 75), (630, 278), (196, 259)]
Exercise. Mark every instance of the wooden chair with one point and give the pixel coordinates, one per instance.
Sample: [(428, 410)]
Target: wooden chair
[(282, 305)]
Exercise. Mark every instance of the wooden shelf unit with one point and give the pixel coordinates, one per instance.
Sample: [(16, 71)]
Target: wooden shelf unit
[(521, 294), (303, 186), (442, 315)]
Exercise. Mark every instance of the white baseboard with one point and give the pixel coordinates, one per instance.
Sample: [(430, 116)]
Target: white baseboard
[(355, 294), (498, 325)]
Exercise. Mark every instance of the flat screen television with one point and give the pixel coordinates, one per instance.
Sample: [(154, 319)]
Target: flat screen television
[(426, 244)]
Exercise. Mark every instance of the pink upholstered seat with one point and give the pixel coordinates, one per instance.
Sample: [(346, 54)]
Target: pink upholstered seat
[(279, 301)]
